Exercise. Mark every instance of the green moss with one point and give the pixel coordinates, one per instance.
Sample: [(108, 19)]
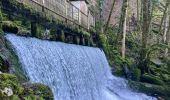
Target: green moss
[(39, 90), (151, 79), (14, 60), (76, 40), (14, 97), (61, 36), (28, 92), (85, 33), (82, 40), (8, 26), (119, 72), (87, 41), (150, 89), (166, 77), (10, 81), (103, 41), (24, 32), (53, 33), (136, 74), (1, 19)]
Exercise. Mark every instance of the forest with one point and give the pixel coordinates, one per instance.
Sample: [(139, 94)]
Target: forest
[(137, 47), (74, 49)]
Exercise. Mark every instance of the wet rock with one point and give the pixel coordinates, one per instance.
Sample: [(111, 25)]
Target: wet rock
[(8, 26), (7, 91), (159, 91)]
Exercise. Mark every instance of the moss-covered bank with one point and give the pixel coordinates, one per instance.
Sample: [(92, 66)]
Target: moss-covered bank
[(15, 86), (162, 92), (11, 89)]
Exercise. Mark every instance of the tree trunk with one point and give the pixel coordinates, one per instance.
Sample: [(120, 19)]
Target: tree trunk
[(110, 14), (145, 30), (125, 4), (122, 22), (167, 39), (165, 28), (164, 15)]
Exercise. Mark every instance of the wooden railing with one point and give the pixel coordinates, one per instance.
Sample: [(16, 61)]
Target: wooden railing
[(62, 10)]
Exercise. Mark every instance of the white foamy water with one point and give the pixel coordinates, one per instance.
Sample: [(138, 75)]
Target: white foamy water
[(73, 72)]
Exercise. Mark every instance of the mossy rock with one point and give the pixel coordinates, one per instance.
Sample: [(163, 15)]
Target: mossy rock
[(61, 36), (76, 40), (24, 32), (82, 40), (136, 74), (4, 64), (23, 92), (166, 77), (8, 26), (1, 19), (10, 81), (151, 79), (87, 41), (119, 72), (85, 33), (53, 33), (39, 90), (150, 89)]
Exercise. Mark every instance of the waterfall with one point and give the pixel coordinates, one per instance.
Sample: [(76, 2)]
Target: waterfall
[(73, 72)]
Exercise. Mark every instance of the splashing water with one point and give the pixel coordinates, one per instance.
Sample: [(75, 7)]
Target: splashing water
[(73, 72)]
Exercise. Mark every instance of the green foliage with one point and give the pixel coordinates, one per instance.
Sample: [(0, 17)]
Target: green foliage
[(8, 26), (150, 89), (151, 79), (103, 41), (85, 33), (14, 62), (119, 72), (76, 40), (1, 19), (10, 81), (28, 92), (136, 74), (24, 32), (53, 34), (61, 36)]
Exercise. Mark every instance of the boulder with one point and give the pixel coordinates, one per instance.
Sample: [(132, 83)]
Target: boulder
[(158, 91)]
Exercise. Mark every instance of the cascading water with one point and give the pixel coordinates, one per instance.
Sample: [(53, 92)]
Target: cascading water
[(73, 72)]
